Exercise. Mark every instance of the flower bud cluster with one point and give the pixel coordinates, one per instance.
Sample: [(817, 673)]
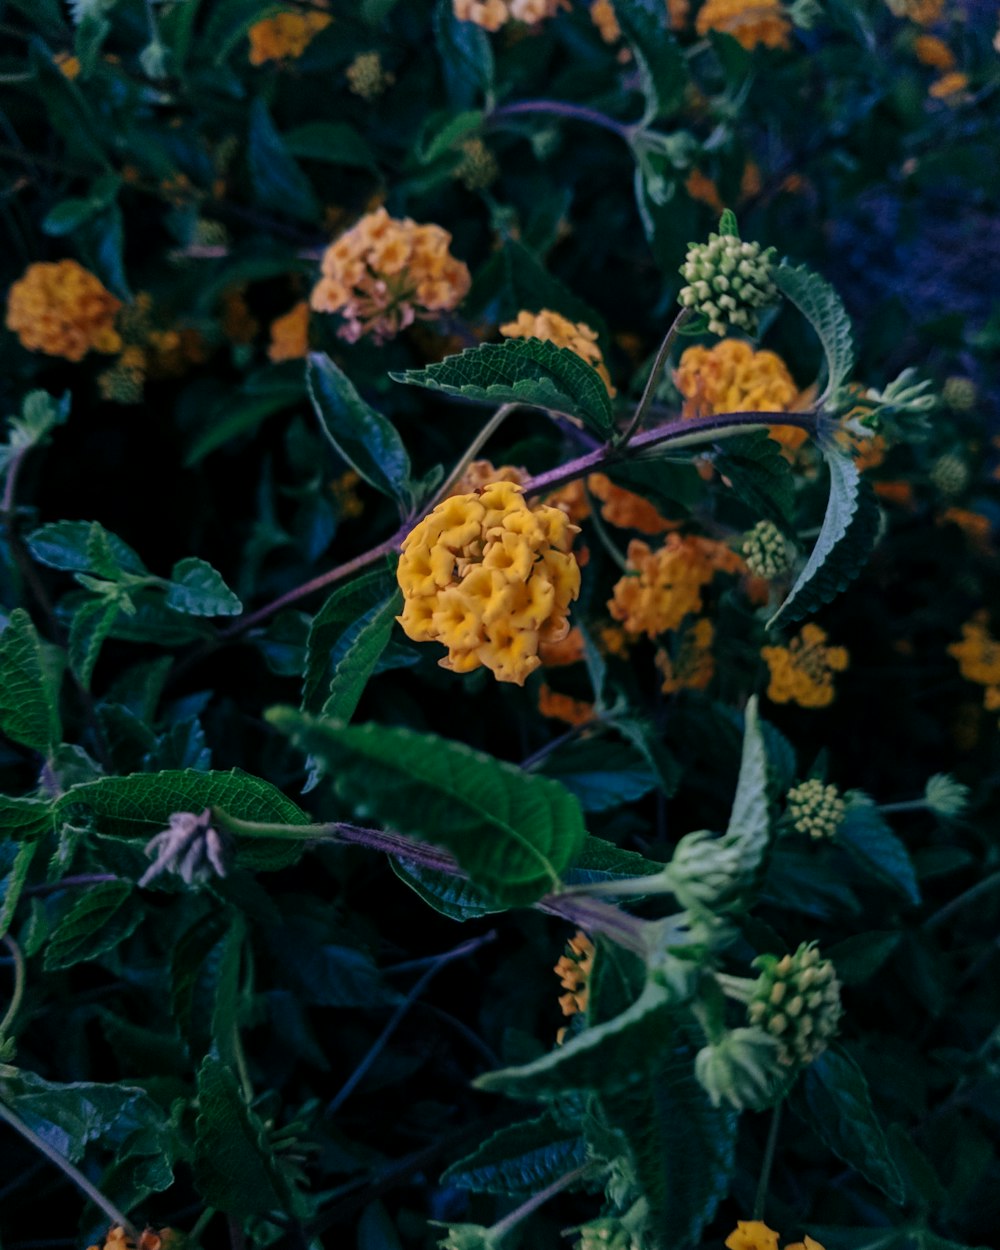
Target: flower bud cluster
[(477, 168), (949, 474), (491, 578), (815, 808), (765, 550), (366, 76), (797, 1001), (729, 281)]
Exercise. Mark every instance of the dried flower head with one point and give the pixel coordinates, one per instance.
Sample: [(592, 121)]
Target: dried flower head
[(190, 848), (692, 665)]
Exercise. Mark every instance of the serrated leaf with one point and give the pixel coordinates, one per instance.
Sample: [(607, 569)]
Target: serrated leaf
[(91, 624), (278, 182), (13, 882), (520, 1159), (618, 1053), (821, 306), (850, 528), (749, 825), (359, 434), (760, 475), (235, 1168), (71, 546), (25, 818), (140, 804), (601, 773), (661, 64), (867, 838), (600, 860), (832, 1097), (522, 371), (196, 589), (511, 831), (89, 927), (29, 688), (453, 896)]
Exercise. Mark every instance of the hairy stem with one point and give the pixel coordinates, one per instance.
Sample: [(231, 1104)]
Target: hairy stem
[(653, 381), (69, 1170), (477, 444), (510, 1222), (560, 108), (18, 992), (765, 1170)]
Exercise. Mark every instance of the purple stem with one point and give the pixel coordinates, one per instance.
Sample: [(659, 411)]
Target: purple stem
[(559, 108)]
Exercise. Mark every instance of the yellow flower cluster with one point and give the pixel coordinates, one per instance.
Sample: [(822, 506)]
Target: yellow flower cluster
[(290, 334), (750, 22), (285, 37), (803, 671), (385, 272), (624, 508), (62, 309), (693, 665), (755, 1235), (978, 656), (573, 971), (660, 588), (492, 14), (555, 328), (491, 578), (732, 377), (118, 1239), (602, 14)]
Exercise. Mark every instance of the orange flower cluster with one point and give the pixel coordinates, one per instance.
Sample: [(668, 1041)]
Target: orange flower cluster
[(492, 14), (480, 473), (386, 272), (290, 334), (564, 707), (755, 1235), (625, 508), (930, 50), (978, 656), (923, 12), (660, 588), (491, 578), (573, 971), (948, 86), (693, 665), (750, 22), (286, 36), (62, 309), (803, 671), (118, 1239), (555, 328), (568, 650)]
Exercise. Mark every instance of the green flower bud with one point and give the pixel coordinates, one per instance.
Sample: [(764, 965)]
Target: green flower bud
[(705, 872), (468, 1237), (606, 1234), (945, 796), (729, 281), (950, 474), (766, 550), (478, 168), (959, 394), (744, 1069), (803, 1018), (815, 809)]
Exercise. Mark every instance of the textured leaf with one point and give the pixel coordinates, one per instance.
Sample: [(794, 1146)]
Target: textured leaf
[(337, 143), (453, 896), (867, 838), (92, 925), (512, 832), (13, 882), (359, 434), (235, 1168), (71, 545), (662, 66), (820, 304), (848, 534), (749, 821), (760, 475), (466, 58), (139, 805), (603, 861), (29, 689), (519, 1159), (832, 1097), (644, 736), (24, 818), (600, 773), (198, 590), (278, 182), (522, 371), (91, 624)]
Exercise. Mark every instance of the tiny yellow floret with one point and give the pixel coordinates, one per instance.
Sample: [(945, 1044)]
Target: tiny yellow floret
[(803, 671)]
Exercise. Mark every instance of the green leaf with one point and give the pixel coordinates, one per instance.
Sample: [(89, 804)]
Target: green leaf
[(29, 687), (519, 1159), (848, 534), (820, 304), (760, 475), (72, 545), (359, 434), (278, 182), (14, 881), (512, 832), (454, 897), (24, 818), (858, 958), (92, 925), (466, 58), (606, 1056), (198, 590), (869, 841), (522, 371), (91, 624), (600, 773), (645, 738), (600, 860), (832, 1097), (749, 821), (338, 143), (346, 639), (235, 1167), (139, 805), (241, 412), (661, 64)]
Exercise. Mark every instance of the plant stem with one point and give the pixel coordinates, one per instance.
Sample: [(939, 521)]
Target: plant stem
[(601, 530), (19, 980), (975, 892), (553, 744), (484, 435), (510, 1222), (653, 381), (765, 1171), (201, 1224), (595, 916), (86, 878), (352, 1082), (68, 1169), (911, 805), (561, 108)]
